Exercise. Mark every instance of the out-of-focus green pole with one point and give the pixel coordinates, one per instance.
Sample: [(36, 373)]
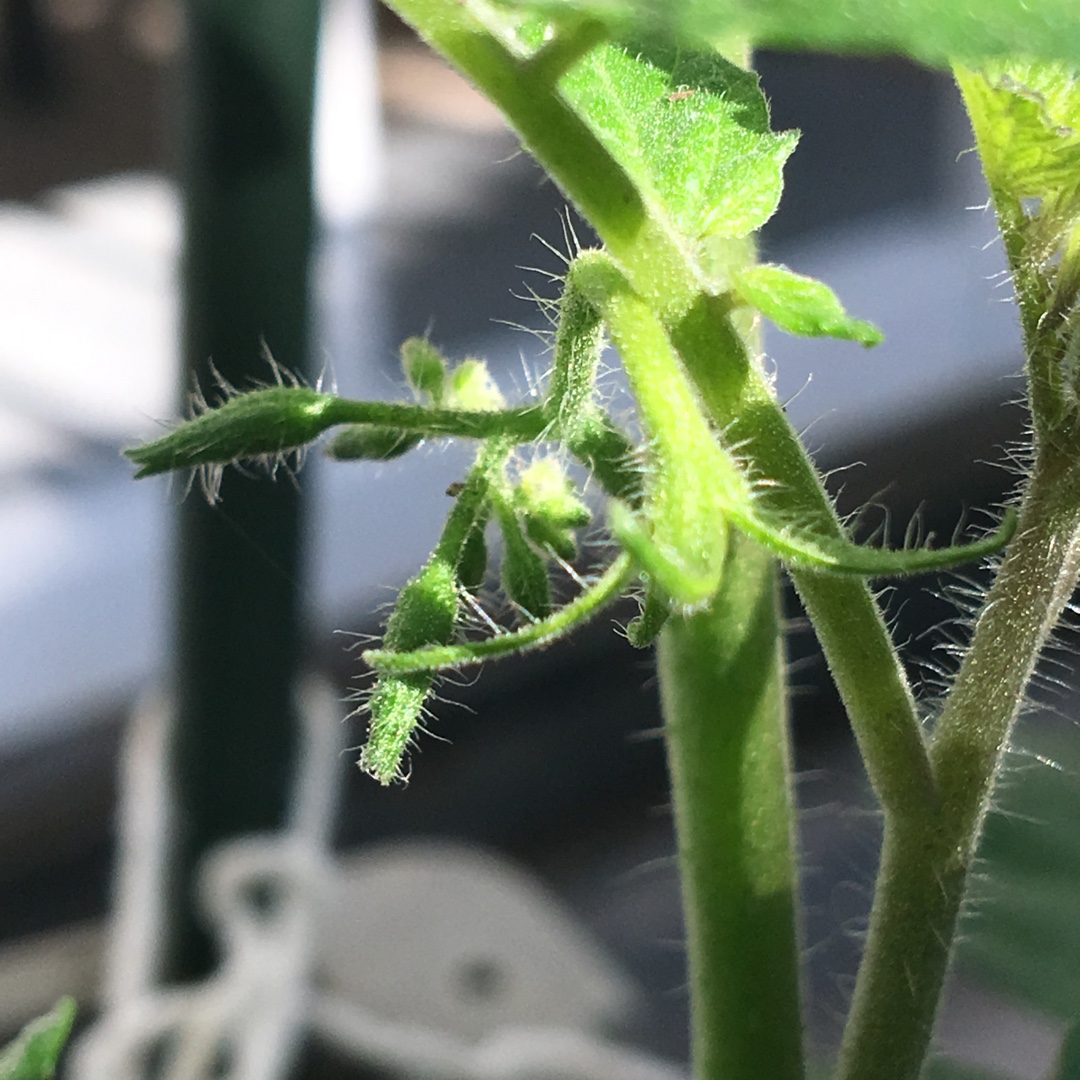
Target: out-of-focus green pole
[(246, 172)]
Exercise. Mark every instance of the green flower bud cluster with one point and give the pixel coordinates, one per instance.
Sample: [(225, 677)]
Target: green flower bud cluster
[(468, 387), (543, 503), (672, 503)]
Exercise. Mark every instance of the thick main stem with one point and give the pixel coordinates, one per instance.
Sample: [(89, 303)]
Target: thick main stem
[(926, 860), (721, 679)]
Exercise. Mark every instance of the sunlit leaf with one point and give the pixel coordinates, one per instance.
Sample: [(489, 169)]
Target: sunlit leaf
[(800, 305), (690, 129), (1028, 119)]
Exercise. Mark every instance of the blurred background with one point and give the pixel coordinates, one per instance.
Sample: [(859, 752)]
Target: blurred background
[(428, 219)]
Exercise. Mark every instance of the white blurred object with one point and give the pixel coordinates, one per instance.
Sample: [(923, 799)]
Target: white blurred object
[(432, 962), (348, 139)]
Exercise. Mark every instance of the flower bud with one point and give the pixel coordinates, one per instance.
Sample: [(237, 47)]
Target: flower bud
[(472, 565), (425, 368), (472, 388), (425, 614), (550, 507), (371, 442), (524, 572), (261, 423)]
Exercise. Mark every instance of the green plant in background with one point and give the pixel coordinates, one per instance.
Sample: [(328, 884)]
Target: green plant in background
[(660, 137), (34, 1053)]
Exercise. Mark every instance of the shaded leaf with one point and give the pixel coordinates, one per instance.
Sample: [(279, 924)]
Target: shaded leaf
[(1020, 934), (943, 1068), (1068, 1062)]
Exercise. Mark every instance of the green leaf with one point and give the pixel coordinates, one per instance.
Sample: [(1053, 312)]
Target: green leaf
[(933, 31), (34, 1053), (1020, 935), (800, 305), (1028, 119), (690, 129)]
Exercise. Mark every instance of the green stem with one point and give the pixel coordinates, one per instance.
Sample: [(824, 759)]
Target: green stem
[(525, 424), (874, 689), (721, 678), (737, 394), (536, 635), (925, 863), (735, 389), (846, 618)]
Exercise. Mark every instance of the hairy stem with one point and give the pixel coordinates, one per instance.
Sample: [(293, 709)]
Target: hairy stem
[(721, 678), (925, 863), (733, 386), (846, 619), (592, 600)]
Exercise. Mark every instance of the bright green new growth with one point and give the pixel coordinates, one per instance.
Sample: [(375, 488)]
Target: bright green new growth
[(691, 128), (550, 508), (425, 369), (800, 305)]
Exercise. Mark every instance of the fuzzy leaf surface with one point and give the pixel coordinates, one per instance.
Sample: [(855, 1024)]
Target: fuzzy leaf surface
[(800, 305), (690, 129), (1028, 116)]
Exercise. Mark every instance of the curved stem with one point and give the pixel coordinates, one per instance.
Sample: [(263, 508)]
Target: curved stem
[(537, 635), (734, 388), (846, 618), (925, 863)]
